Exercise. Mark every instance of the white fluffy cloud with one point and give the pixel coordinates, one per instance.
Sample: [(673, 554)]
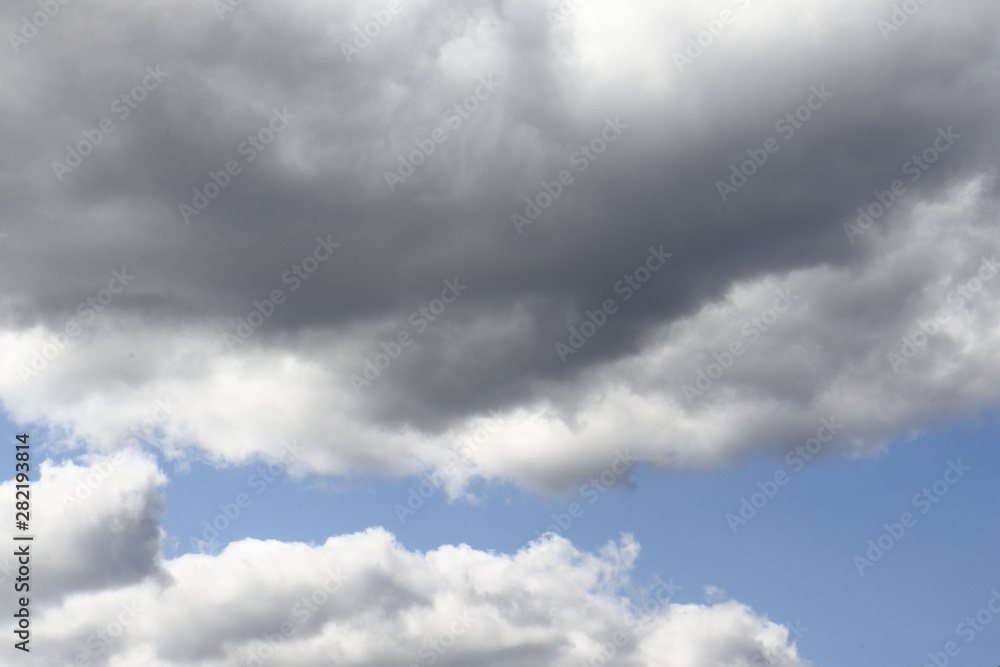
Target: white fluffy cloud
[(94, 525), (360, 599)]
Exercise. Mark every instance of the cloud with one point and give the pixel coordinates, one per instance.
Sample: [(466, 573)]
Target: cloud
[(95, 525), (322, 179), (360, 599), (686, 397)]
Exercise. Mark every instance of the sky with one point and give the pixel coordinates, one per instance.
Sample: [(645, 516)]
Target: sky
[(502, 333)]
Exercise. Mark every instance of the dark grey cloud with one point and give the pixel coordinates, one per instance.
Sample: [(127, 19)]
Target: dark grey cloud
[(323, 176)]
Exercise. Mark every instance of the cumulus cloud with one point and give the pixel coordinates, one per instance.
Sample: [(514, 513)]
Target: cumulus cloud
[(901, 340), (359, 599), (95, 525), (363, 358)]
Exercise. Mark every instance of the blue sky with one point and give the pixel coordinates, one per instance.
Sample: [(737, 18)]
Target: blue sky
[(794, 561)]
